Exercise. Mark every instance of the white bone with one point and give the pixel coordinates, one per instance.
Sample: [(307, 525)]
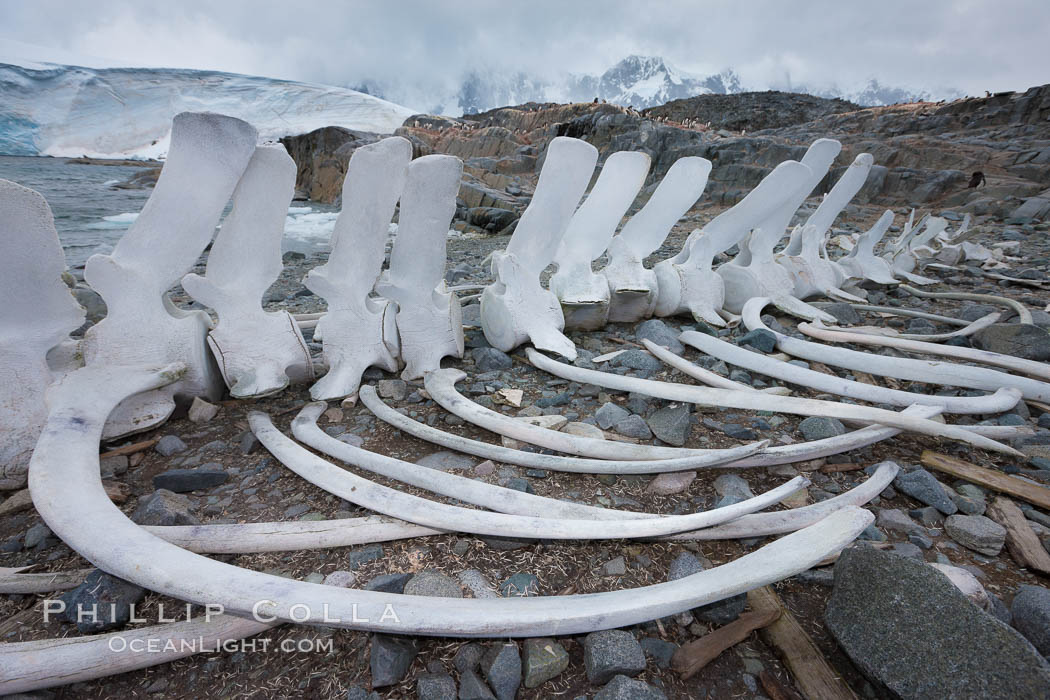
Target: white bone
[(712, 458), (1023, 314), (781, 521), (429, 319), (517, 514), (257, 351), (762, 276), (46, 663), (357, 330), (926, 371), (862, 262), (746, 400), (207, 156), (38, 313), (633, 287), (686, 281), (12, 581), (68, 493), (1002, 400), (1014, 364), (584, 295), (515, 308), (979, 324), (441, 387)]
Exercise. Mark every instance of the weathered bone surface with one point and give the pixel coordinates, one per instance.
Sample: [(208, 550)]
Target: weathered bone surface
[(755, 401), (296, 535), (46, 663), (584, 295), (429, 319), (68, 493), (258, 352), (441, 387), (862, 262), (790, 520), (515, 308), (979, 324), (517, 514), (39, 312), (1023, 314), (207, 157), (14, 581), (686, 282), (928, 371), (1015, 364), (358, 330), (633, 287), (712, 458), (1002, 400)]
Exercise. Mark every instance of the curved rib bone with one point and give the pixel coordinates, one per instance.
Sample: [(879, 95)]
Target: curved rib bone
[(714, 458), (288, 536), (1002, 400), (781, 521), (38, 313), (441, 387), (68, 493), (1016, 364), (1023, 314), (257, 351), (584, 295), (12, 581), (979, 324), (764, 402), (686, 282), (429, 319), (357, 330), (539, 515), (926, 371), (632, 287), (515, 308), (208, 154)]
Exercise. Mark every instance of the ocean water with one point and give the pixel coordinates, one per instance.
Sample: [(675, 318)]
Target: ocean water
[(91, 215)]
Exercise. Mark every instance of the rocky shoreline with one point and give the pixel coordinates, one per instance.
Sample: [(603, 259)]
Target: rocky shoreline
[(210, 469)]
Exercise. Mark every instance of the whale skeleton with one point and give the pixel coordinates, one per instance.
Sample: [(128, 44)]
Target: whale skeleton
[(67, 490)]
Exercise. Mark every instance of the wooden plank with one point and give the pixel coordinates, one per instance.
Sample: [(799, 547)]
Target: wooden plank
[(692, 657), (776, 689), (814, 677), (130, 449), (1021, 540), (1036, 495)]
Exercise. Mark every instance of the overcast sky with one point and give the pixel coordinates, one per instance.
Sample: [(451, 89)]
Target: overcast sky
[(969, 45)]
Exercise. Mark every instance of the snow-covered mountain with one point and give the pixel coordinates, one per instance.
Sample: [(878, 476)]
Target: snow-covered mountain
[(638, 81), (63, 110)]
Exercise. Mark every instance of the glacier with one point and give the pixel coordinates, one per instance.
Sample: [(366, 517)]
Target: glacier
[(122, 112)]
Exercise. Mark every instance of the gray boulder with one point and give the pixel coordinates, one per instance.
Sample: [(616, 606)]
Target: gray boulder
[(1021, 340), (544, 659), (976, 532), (924, 487), (624, 688), (490, 359), (609, 415), (434, 584), (1030, 611), (672, 424), (502, 669), (391, 658), (907, 627), (102, 602), (660, 333), (163, 507), (818, 428)]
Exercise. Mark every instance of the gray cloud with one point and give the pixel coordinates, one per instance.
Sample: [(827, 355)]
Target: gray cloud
[(967, 44)]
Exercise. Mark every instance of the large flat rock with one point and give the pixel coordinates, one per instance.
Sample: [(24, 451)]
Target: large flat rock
[(908, 628)]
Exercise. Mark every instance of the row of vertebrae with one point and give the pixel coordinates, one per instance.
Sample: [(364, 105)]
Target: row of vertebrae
[(516, 309), (255, 352)]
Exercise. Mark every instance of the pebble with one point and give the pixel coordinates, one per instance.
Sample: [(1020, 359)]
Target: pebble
[(434, 584), (471, 687), (478, 583), (658, 650), (502, 668), (670, 483), (633, 426), (924, 487), (615, 567), (362, 555), (660, 333), (395, 389), (391, 657), (468, 657), (435, 686), (609, 415), (201, 411), (624, 688), (446, 461), (819, 428), (520, 585), (110, 596), (490, 359), (184, 480), (760, 339), (672, 424), (170, 445), (976, 532), (637, 359), (544, 659), (611, 652)]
